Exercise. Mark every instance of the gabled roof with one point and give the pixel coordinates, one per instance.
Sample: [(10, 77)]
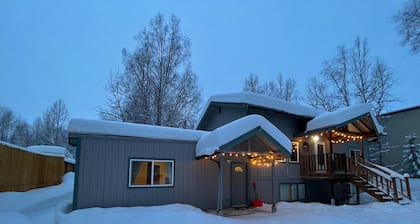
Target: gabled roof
[(400, 111), (114, 128), (221, 139), (357, 118), (262, 101)]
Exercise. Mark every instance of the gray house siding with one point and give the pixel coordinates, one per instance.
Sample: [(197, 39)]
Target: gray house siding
[(103, 167), (290, 125), (221, 114), (397, 126)]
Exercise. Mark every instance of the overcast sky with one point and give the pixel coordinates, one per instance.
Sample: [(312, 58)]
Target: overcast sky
[(66, 49)]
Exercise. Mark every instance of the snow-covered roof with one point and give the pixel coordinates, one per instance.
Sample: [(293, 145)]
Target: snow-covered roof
[(263, 101), (46, 150), (50, 150), (212, 141), (341, 117), (101, 127)]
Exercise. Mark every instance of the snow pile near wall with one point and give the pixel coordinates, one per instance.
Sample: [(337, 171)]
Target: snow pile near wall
[(212, 141), (263, 101), (341, 116), (96, 127)]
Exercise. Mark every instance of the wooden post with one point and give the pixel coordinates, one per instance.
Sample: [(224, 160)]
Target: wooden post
[(407, 185), (220, 187), (394, 185), (357, 195), (273, 206)]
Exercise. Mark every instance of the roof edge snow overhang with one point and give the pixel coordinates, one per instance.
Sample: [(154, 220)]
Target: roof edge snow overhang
[(343, 124), (254, 100), (222, 139), (250, 134)]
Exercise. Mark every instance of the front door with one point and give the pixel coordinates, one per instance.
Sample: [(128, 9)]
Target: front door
[(320, 157), (239, 185)]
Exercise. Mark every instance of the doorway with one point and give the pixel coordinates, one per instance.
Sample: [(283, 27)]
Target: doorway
[(239, 185), (321, 164)]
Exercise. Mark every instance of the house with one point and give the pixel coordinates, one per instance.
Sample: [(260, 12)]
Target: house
[(400, 127), (289, 152)]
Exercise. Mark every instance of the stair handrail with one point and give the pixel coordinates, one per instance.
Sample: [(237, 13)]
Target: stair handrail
[(389, 175)]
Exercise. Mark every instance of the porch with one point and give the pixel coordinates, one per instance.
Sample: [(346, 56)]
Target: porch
[(378, 181)]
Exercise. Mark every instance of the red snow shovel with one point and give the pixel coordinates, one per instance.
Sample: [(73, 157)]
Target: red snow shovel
[(256, 202)]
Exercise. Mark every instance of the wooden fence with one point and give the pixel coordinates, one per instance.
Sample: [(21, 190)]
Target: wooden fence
[(21, 170)]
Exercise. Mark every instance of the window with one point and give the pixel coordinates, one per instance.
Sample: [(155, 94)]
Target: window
[(294, 157), (151, 173), (292, 192), (306, 147)]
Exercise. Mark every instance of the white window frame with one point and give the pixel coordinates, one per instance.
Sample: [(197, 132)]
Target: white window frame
[(297, 153), (151, 174)]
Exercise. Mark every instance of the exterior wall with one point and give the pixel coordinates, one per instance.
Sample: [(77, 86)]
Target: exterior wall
[(288, 124), (102, 172), (218, 115), (285, 173), (397, 126)]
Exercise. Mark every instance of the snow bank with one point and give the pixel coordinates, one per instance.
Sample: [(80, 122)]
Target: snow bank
[(96, 127), (263, 101), (38, 198), (173, 213), (212, 141), (341, 116), (52, 205)]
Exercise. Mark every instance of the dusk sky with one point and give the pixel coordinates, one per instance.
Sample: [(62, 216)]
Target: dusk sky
[(66, 49)]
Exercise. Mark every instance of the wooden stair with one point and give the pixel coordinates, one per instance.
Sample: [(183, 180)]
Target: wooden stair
[(371, 189), (379, 182)]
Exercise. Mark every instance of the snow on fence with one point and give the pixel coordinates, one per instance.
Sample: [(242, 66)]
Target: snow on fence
[(21, 170)]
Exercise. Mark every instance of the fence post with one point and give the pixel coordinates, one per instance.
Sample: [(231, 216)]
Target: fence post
[(407, 185), (394, 185)]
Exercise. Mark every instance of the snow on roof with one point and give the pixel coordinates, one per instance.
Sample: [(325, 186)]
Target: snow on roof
[(49, 150), (100, 127), (212, 141), (10, 145), (341, 116), (46, 150), (260, 100)]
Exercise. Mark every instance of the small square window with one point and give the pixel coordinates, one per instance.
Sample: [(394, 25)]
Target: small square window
[(151, 173)]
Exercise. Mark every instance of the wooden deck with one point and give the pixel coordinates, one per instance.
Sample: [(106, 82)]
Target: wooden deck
[(328, 165), (380, 182)]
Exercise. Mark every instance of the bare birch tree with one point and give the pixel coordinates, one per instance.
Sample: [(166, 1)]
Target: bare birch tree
[(408, 23), (7, 123), (352, 76), (280, 88), (158, 86), (54, 120), (252, 84)]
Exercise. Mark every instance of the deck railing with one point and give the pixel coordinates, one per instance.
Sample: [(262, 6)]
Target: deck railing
[(323, 164), (395, 185), (332, 165)]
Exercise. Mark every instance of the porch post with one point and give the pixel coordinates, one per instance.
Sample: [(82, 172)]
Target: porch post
[(273, 206), (331, 152), (220, 187)]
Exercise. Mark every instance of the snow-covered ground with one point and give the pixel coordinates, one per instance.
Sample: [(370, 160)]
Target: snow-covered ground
[(51, 205)]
